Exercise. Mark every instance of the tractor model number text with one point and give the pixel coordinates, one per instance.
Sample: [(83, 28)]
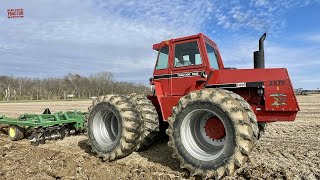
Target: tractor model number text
[(277, 83)]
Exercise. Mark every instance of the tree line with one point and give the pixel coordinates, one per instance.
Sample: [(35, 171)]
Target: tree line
[(70, 86)]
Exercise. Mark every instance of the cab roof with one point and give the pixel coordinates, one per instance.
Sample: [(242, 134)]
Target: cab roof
[(200, 35)]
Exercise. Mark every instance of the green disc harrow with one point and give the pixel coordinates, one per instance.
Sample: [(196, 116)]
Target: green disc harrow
[(42, 127)]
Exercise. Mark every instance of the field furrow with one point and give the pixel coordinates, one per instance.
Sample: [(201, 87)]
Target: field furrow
[(288, 150)]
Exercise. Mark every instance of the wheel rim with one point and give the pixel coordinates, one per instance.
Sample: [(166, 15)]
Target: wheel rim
[(195, 138), (105, 128), (12, 132)]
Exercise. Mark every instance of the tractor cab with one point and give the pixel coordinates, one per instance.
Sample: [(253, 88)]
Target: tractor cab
[(183, 63)]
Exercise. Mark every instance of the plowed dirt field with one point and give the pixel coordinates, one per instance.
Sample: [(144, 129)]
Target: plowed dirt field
[(288, 150)]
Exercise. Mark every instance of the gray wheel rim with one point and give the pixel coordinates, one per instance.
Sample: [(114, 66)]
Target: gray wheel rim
[(194, 138), (105, 127)]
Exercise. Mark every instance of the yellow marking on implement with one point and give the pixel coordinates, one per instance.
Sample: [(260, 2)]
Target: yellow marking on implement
[(12, 132)]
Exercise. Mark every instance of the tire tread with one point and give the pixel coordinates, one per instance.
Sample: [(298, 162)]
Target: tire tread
[(130, 127), (238, 110), (149, 119)]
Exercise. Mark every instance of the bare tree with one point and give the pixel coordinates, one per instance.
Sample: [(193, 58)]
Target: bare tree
[(82, 87)]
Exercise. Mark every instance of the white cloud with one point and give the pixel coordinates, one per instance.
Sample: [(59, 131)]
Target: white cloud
[(57, 37), (260, 2), (260, 15), (311, 37)]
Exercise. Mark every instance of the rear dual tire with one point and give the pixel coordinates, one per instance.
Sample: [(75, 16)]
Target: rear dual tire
[(113, 127), (149, 119)]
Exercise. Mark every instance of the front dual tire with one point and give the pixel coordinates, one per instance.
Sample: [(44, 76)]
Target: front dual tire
[(220, 145)]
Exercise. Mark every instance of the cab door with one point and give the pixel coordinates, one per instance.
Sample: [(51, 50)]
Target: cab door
[(188, 67), (161, 72)]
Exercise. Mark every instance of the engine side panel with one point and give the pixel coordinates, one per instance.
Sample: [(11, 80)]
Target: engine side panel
[(278, 102)]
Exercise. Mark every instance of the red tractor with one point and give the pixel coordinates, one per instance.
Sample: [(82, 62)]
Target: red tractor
[(214, 114)]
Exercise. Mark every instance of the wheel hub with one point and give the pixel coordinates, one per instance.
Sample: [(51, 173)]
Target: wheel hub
[(105, 127), (194, 136), (214, 128)]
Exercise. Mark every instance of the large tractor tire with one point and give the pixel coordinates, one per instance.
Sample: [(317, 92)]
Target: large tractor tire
[(150, 120), (211, 133), (16, 133), (113, 127), (252, 116)]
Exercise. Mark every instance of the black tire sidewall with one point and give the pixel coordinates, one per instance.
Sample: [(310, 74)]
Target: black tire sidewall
[(228, 151), (97, 108)]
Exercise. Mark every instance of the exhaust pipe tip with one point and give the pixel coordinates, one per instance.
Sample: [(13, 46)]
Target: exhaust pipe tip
[(261, 41)]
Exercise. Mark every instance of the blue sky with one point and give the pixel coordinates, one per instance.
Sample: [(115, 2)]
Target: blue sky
[(58, 37)]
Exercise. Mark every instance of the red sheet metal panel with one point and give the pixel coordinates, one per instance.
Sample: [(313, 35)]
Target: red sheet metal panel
[(279, 96)]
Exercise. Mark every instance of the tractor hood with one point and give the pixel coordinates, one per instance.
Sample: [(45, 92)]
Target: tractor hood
[(226, 76), (278, 91)]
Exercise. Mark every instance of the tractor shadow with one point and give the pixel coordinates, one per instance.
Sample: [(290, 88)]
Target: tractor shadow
[(161, 153), (3, 131), (84, 145)]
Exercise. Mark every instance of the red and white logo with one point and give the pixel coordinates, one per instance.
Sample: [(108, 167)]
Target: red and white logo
[(15, 13)]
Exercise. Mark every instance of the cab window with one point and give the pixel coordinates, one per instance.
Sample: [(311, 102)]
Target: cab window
[(187, 54), (212, 56), (163, 58)]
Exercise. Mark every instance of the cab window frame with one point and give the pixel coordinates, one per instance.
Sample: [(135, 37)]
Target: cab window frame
[(158, 58), (188, 66), (215, 53)]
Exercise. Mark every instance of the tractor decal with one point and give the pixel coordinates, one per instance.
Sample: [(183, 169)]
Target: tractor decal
[(279, 99), (181, 75), (241, 84), (237, 85)]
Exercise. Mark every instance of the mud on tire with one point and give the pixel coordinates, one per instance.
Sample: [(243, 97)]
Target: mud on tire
[(150, 120), (195, 153), (252, 116), (113, 127)]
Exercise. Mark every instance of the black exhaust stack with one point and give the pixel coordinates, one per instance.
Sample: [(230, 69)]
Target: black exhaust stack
[(258, 56)]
